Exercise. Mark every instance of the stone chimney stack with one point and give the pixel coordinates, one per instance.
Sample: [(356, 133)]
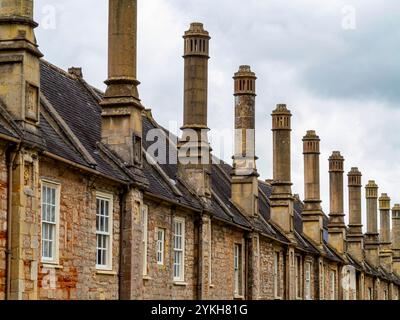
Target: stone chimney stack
[(244, 176), (355, 235), (336, 226), (194, 148), (372, 235), (121, 107), (312, 212), (386, 254), (396, 238), (282, 198), (19, 62)]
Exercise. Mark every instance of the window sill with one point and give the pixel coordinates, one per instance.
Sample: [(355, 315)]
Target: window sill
[(278, 298), (49, 265), (238, 297), (212, 286), (106, 272), (147, 278), (180, 283)]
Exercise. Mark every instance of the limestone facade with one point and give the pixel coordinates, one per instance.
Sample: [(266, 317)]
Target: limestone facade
[(85, 213)]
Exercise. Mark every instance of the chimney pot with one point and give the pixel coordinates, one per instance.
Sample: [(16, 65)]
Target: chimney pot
[(75, 71)]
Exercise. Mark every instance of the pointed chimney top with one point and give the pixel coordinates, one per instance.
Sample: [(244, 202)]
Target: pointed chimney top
[(311, 135), (354, 172), (245, 71), (336, 156), (281, 109)]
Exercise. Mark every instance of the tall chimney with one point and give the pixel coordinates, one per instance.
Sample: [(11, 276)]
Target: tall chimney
[(396, 238), (282, 198), (312, 211), (336, 226), (355, 235), (194, 148), (121, 107), (244, 175), (19, 63), (372, 235), (385, 252)]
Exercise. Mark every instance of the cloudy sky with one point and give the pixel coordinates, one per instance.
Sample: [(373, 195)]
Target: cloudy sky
[(334, 63)]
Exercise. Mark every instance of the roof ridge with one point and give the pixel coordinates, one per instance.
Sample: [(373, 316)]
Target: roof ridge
[(68, 132)]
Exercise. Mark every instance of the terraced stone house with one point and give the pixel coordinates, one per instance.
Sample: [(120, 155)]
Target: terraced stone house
[(88, 210)]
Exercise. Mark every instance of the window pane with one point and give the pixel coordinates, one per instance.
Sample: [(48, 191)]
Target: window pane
[(106, 224)]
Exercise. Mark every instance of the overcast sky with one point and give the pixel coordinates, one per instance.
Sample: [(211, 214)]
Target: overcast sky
[(336, 64)]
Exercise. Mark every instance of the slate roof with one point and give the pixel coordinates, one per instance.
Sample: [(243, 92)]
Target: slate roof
[(81, 112)]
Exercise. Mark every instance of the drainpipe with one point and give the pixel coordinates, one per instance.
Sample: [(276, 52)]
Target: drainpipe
[(11, 155)]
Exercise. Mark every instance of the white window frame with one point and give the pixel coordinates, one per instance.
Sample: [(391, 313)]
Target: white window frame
[(332, 285), (181, 277), (307, 280), (238, 269), (145, 238), (102, 196), (277, 276), (160, 246), (56, 241)]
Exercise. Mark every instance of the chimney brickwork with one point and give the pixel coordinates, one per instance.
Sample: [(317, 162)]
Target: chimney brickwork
[(244, 175), (396, 238), (372, 235), (312, 211), (282, 198), (20, 63), (385, 251), (336, 226), (355, 235), (121, 107), (194, 148), (20, 92)]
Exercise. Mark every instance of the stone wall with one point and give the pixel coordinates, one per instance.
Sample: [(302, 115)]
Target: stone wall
[(384, 290), (267, 251), (224, 238), (76, 276), (3, 219), (369, 284), (326, 280), (159, 284)]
